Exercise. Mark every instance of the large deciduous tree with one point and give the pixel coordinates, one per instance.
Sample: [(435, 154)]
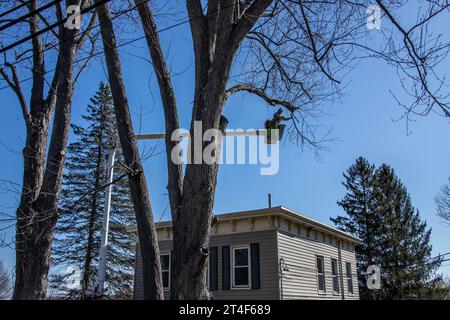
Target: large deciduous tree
[(48, 109), (443, 202), (288, 53)]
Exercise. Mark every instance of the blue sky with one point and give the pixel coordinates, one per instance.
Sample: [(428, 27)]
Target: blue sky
[(363, 125)]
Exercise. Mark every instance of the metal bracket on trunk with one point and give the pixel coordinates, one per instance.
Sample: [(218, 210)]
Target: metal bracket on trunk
[(204, 251)]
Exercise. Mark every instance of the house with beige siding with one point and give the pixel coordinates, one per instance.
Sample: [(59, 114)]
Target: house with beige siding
[(272, 253)]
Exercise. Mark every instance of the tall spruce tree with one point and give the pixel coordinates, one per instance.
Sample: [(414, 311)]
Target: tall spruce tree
[(379, 211), (406, 262), (361, 219), (5, 284), (78, 235)]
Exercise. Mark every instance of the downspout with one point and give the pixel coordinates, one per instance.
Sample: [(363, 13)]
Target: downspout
[(277, 261), (340, 269)]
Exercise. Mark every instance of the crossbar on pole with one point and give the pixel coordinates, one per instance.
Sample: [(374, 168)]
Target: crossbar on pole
[(228, 133)]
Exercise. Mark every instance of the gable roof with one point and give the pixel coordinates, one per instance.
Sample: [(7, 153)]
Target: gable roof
[(280, 212)]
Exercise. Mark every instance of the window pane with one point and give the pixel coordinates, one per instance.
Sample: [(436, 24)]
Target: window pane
[(165, 276), (241, 257), (319, 265), (241, 276), (349, 278), (350, 285), (321, 283), (336, 284), (349, 269), (334, 266), (165, 261), (335, 275), (320, 274)]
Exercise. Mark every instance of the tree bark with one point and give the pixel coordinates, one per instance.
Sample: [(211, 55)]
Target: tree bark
[(138, 184), (216, 39), (38, 208), (87, 268), (175, 172)]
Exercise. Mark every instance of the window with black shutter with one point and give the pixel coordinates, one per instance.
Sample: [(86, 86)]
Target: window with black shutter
[(254, 248), (226, 268), (213, 269), (241, 267)]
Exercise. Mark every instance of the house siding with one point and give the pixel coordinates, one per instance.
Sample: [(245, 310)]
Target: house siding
[(299, 254), (269, 284)]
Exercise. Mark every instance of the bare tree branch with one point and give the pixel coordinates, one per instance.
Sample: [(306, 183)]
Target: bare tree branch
[(15, 86), (260, 93)]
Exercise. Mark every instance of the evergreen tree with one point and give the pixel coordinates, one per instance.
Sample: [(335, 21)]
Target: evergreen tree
[(361, 220), (5, 284), (405, 239), (379, 211), (78, 232)]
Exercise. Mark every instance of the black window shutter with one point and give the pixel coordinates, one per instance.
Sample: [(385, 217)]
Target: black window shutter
[(213, 268), (226, 268), (254, 248)]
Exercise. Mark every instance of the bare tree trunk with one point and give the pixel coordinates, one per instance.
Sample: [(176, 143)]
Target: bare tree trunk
[(192, 200), (87, 269), (138, 184), (38, 208), (216, 40), (175, 172), (193, 223)]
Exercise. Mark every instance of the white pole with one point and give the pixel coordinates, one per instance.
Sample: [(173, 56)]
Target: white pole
[(105, 229)]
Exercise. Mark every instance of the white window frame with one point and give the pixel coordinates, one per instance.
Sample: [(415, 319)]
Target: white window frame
[(335, 276), (324, 291), (349, 277), (249, 267), (166, 253)]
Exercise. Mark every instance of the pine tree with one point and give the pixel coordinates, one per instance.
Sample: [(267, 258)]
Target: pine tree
[(5, 284), (361, 219), (78, 235), (406, 265), (379, 211)]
